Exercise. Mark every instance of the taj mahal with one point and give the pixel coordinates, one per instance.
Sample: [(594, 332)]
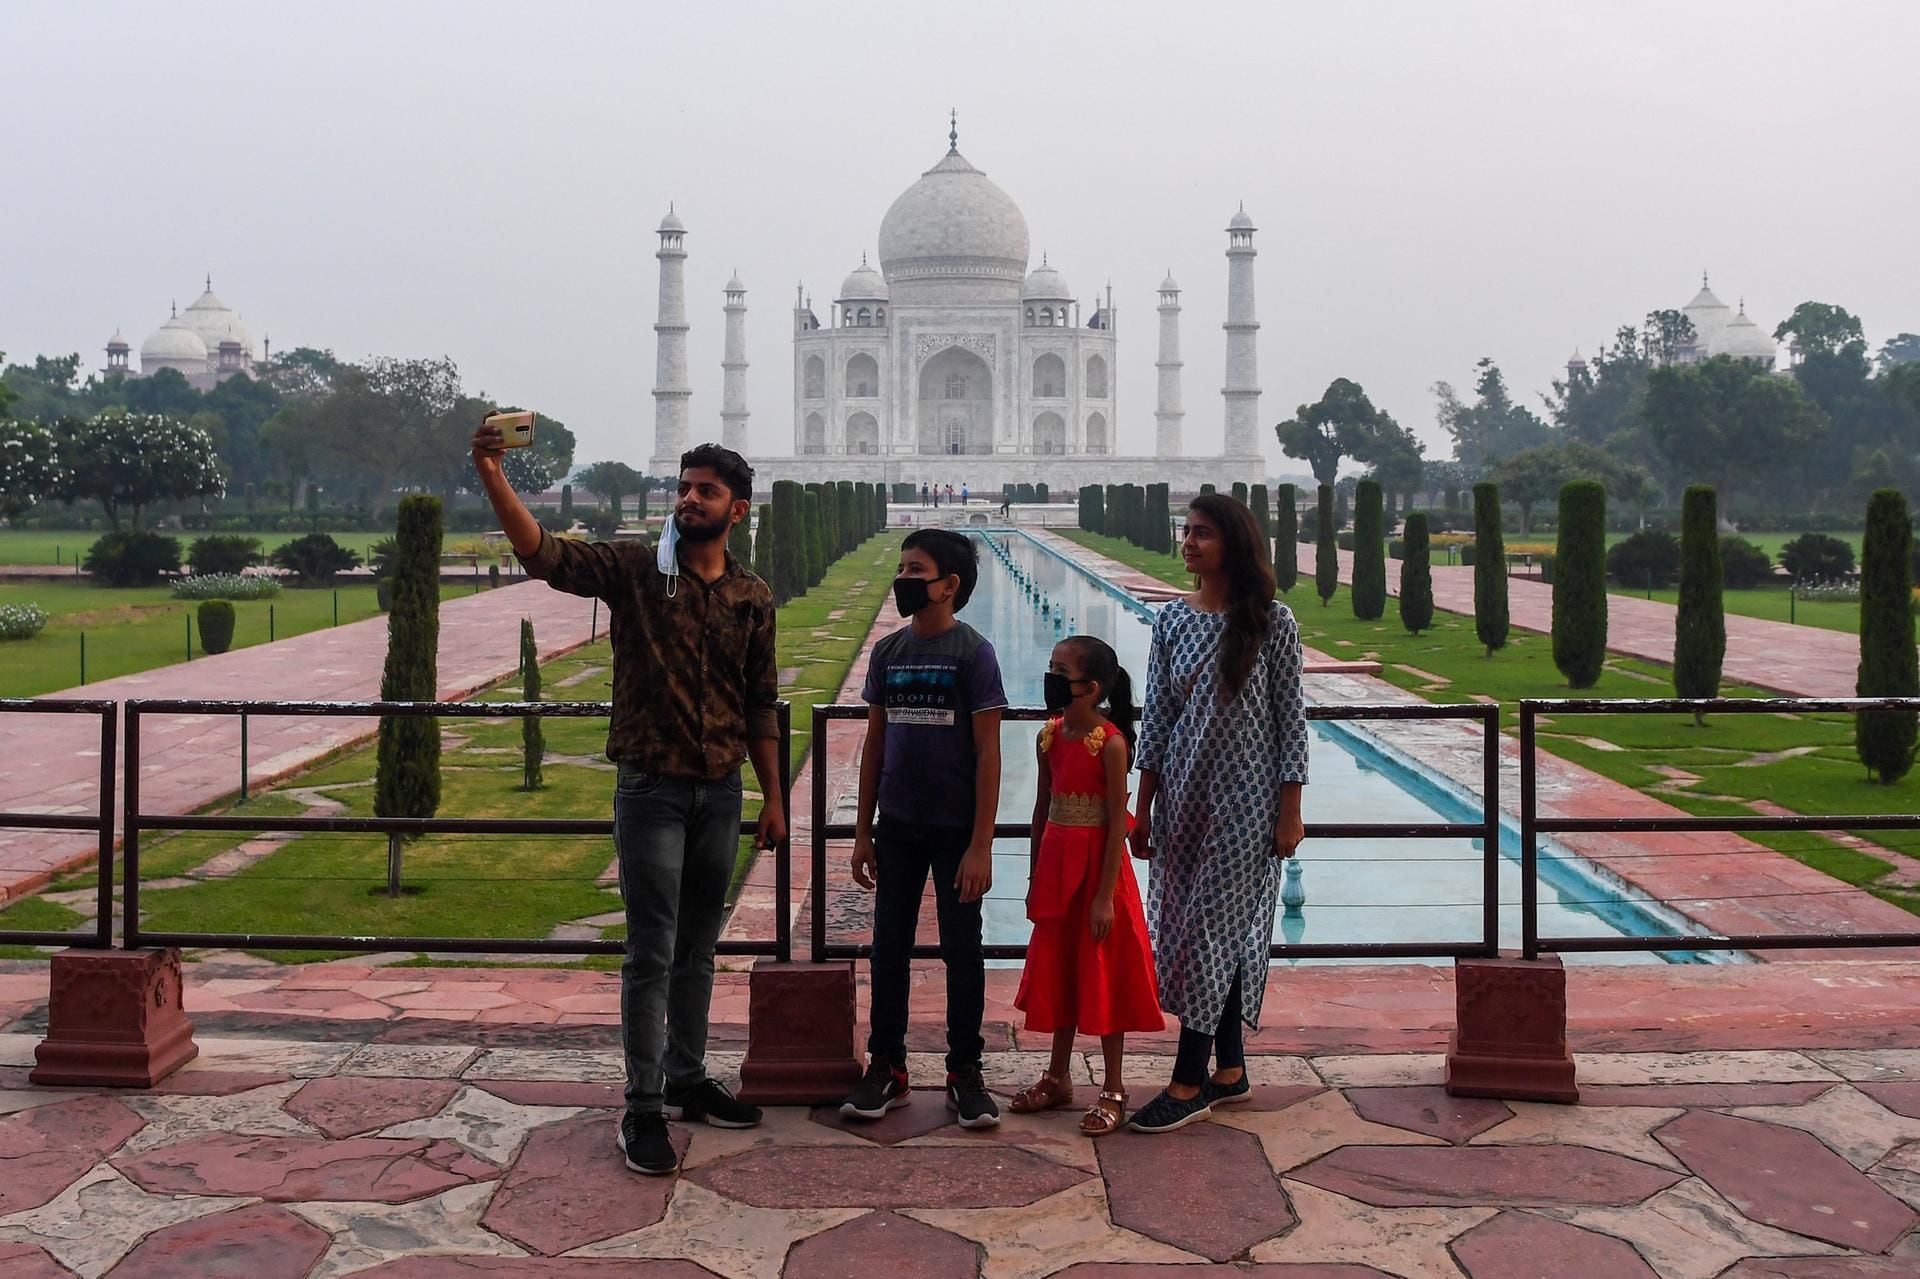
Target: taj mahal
[(953, 363)]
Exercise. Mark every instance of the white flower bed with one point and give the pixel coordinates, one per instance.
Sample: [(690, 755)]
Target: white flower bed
[(225, 586), (21, 621)]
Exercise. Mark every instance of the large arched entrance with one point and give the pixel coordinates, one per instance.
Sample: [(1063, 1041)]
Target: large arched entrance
[(956, 403)]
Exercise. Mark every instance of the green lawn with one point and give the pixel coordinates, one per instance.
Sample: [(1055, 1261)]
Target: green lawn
[(1772, 603), (61, 546), (1736, 758), (129, 631), (488, 886)]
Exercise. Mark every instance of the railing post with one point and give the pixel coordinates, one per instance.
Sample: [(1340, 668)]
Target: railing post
[(1529, 837), (1490, 841), (243, 757), (817, 838), (130, 845), (103, 917), (783, 855)]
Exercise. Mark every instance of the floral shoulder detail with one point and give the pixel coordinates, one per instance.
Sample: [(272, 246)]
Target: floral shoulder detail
[(1047, 733), (1095, 740)]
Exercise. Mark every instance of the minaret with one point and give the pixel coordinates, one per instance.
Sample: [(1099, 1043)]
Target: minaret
[(1242, 391), (1168, 415), (733, 370), (670, 390)]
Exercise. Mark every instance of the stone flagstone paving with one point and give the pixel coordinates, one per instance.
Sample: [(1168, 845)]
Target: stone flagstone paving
[(304, 1160)]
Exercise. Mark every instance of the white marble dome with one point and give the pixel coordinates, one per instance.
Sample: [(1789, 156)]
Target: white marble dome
[(863, 284), (1710, 316), (215, 322), (1046, 285), (1745, 340), (172, 345), (954, 223)]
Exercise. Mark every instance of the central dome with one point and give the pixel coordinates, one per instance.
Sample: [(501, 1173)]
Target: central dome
[(954, 223)]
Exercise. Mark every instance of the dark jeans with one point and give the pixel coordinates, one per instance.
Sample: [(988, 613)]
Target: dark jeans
[(675, 839), (905, 853), (1225, 1043)]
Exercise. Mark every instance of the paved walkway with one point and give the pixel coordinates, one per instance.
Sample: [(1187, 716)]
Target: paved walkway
[(53, 761), (1800, 661), (289, 1159)]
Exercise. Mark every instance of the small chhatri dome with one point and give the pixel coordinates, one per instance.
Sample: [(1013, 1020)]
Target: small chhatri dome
[(734, 285), (672, 221), (1046, 285), (1576, 360), (863, 284), (1169, 285), (1240, 221), (1745, 340), (116, 342)]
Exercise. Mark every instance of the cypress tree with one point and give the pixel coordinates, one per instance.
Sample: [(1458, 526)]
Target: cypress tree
[(740, 543), (1885, 742), (533, 742), (1326, 560), (407, 772), (1580, 586), (813, 536), (789, 547), (863, 505), (566, 504), (1113, 521), (849, 518), (1700, 622), (1163, 522), (1261, 515), (1286, 542), (1416, 576), (1097, 504), (1240, 493), (1339, 509), (1490, 619), (1208, 488), (763, 546), (1369, 554)]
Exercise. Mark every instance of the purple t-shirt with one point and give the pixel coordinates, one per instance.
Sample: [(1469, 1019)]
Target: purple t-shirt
[(931, 690)]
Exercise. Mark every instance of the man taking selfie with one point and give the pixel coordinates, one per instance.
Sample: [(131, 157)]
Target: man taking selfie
[(694, 691)]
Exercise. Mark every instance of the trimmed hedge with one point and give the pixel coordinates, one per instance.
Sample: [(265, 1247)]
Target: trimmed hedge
[(224, 553), (1369, 550), (216, 625), (133, 559), (1650, 559), (1286, 542), (1490, 617), (1416, 577), (1885, 742), (1326, 564), (1700, 626), (1580, 584)]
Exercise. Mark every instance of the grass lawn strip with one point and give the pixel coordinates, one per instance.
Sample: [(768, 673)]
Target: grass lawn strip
[(1737, 760), (480, 885)]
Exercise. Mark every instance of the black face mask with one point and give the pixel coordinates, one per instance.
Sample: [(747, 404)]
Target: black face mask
[(910, 595), (1058, 691)]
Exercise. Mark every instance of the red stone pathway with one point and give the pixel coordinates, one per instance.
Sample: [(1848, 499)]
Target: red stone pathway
[(307, 1159), (1799, 661), (53, 761)]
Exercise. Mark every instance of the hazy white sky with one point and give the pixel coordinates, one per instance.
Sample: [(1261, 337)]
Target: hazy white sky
[(1433, 182)]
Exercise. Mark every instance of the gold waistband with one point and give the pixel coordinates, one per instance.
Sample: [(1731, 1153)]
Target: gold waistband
[(1078, 810)]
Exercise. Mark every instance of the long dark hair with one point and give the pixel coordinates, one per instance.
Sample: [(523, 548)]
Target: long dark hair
[(1099, 662), (1249, 570)]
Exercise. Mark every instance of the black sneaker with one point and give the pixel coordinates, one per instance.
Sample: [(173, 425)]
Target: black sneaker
[(1168, 1112), (708, 1102), (881, 1089), (968, 1097), (1218, 1094), (643, 1140)]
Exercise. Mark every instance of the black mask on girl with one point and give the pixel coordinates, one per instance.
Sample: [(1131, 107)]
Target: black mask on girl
[(910, 595), (1058, 690)]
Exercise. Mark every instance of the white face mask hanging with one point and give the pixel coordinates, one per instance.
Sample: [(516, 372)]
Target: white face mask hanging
[(668, 558)]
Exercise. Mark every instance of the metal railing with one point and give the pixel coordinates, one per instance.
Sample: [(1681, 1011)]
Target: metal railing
[(1533, 825), (139, 820), (100, 821), (1487, 830)]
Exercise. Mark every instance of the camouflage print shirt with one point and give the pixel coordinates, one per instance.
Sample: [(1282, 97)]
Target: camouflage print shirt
[(693, 673)]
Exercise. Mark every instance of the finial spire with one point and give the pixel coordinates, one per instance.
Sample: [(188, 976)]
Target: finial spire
[(1703, 279), (209, 281), (953, 130), (173, 308)]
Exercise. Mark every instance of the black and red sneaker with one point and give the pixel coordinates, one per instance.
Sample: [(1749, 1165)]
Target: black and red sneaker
[(883, 1087), (967, 1097)]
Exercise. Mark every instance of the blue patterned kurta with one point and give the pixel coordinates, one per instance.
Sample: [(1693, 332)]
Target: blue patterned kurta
[(1214, 879)]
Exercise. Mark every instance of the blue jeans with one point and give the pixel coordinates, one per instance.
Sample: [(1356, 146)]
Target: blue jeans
[(675, 840), (905, 854)]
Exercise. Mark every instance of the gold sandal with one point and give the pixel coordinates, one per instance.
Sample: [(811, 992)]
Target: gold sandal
[(1048, 1094), (1102, 1118)]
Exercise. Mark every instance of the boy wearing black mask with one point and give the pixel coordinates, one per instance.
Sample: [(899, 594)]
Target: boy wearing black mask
[(931, 768)]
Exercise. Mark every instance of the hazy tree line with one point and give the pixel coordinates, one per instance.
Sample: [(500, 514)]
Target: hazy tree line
[(1815, 440)]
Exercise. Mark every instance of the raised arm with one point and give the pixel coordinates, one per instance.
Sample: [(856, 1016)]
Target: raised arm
[(578, 568), (516, 521)]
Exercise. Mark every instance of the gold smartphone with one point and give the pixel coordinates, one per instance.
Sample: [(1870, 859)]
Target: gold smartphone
[(516, 429)]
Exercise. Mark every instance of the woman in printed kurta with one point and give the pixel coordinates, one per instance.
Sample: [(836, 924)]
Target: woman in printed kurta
[(1222, 757)]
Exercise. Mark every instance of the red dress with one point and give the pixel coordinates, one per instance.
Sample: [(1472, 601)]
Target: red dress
[(1098, 988)]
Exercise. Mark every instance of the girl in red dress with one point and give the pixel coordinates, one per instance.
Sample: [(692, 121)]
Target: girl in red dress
[(1090, 965)]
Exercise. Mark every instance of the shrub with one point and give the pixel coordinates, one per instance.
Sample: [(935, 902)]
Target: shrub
[(1326, 564), (1888, 668), (132, 559), (813, 536), (1580, 584), (763, 546), (603, 523), (493, 577), (552, 522), (1240, 493), (1396, 548), (1042, 494), (223, 553), (1416, 577), (317, 559), (224, 586), (566, 506), (533, 741), (1490, 620), (1742, 564), (1650, 558), (380, 557), (1369, 549), (21, 621), (740, 543), (407, 772), (216, 625), (1258, 505), (1700, 627), (1344, 539), (789, 554), (1286, 542), (1815, 557)]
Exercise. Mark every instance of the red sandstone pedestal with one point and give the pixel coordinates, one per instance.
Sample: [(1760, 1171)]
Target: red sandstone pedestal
[(801, 1022), (114, 1020), (1510, 1039)]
